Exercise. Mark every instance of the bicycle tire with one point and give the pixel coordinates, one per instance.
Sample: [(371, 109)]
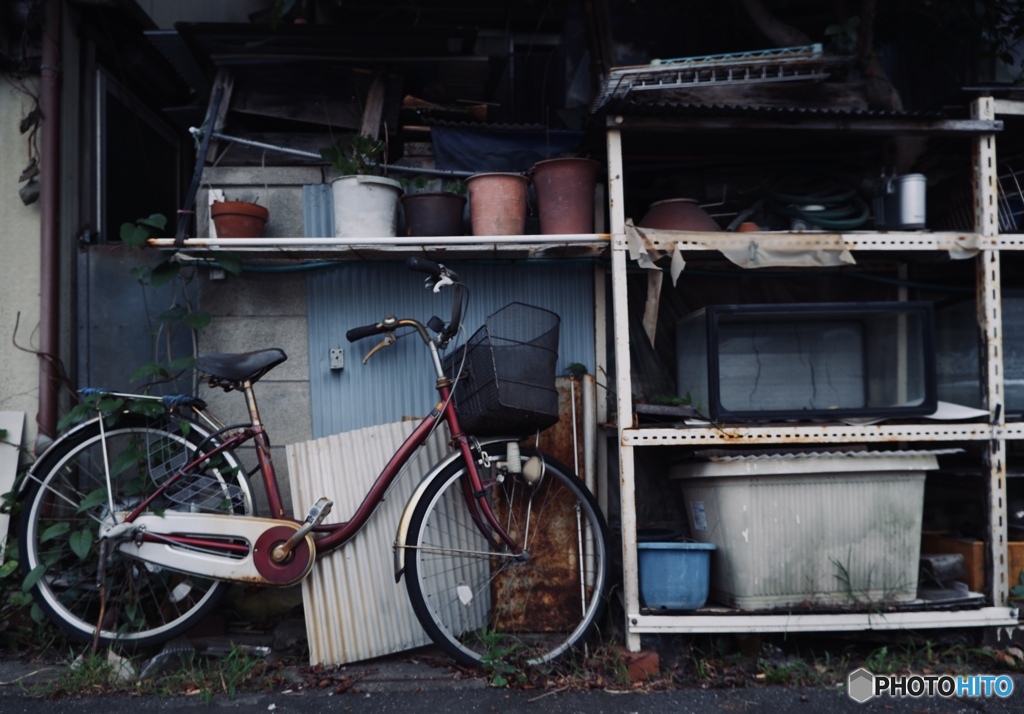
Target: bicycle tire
[(482, 606), (143, 604)]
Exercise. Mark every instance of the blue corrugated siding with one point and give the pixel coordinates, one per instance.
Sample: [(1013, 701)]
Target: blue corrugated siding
[(398, 381), (318, 210)]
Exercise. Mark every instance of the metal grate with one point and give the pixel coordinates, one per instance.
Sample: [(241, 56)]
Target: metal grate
[(958, 211), (776, 65)]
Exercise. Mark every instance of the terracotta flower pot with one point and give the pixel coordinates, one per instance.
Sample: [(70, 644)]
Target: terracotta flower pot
[(497, 204), (565, 194), (239, 219), (678, 214)]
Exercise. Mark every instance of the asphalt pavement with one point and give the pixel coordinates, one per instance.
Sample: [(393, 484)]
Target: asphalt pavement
[(413, 682)]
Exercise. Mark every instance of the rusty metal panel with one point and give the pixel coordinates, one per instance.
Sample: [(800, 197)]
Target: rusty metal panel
[(554, 599), (354, 610)]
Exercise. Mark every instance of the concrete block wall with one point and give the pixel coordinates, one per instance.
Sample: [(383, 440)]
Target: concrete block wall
[(278, 188), (251, 312)]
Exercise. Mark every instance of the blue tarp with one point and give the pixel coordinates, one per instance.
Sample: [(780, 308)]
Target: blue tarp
[(481, 150)]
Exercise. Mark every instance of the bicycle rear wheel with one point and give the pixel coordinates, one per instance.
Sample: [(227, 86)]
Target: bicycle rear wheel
[(133, 603), (485, 605)]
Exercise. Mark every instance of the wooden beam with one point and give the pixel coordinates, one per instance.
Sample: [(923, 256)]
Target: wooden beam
[(374, 108)]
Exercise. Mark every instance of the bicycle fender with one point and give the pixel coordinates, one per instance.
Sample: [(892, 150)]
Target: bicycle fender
[(414, 499)]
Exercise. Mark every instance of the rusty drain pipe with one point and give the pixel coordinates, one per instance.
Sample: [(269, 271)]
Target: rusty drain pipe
[(49, 224)]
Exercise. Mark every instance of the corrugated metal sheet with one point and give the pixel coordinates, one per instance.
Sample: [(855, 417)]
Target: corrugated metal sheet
[(317, 211), (399, 381), (354, 609)]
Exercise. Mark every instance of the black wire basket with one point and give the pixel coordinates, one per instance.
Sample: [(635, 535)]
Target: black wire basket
[(507, 382)]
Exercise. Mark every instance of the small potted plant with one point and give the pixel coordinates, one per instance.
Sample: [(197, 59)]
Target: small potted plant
[(239, 219), (433, 206), (365, 201)]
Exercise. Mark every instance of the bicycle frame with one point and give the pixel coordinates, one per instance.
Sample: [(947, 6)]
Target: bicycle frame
[(329, 537)]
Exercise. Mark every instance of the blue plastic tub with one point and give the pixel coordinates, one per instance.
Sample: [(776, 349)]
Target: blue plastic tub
[(674, 576)]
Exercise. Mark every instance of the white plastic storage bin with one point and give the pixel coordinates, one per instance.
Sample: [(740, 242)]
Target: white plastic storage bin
[(824, 528)]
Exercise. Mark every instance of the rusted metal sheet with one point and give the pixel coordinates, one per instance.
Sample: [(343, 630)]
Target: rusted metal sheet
[(555, 599), (539, 599)]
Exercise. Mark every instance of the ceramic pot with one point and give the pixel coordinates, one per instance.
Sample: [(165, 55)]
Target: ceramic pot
[(565, 194), (432, 213), (365, 206), (497, 204), (239, 219), (679, 214)]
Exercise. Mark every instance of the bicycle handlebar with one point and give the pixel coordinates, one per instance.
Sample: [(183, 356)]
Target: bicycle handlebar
[(440, 275), (358, 333)]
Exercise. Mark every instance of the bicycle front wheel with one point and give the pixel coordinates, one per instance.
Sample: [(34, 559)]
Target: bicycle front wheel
[(482, 604), (131, 602)]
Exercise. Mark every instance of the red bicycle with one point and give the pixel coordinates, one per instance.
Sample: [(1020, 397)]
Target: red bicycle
[(135, 521)]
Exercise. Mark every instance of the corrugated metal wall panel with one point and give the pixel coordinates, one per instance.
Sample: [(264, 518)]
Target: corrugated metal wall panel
[(354, 609), (398, 382), (317, 211)]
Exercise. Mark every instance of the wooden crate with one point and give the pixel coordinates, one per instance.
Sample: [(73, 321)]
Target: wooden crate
[(973, 552)]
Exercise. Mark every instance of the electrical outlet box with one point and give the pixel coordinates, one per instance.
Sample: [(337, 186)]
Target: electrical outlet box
[(337, 358)]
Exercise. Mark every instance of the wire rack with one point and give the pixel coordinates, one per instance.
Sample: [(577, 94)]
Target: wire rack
[(958, 208), (196, 492), (203, 492)]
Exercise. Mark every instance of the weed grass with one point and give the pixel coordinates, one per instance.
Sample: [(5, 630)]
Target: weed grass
[(206, 677), (808, 661)]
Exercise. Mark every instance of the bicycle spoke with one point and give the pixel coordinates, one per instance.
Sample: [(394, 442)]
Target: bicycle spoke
[(60, 528), (477, 602)]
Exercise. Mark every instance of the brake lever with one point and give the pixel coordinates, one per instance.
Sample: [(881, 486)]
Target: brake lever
[(442, 281), (389, 339)]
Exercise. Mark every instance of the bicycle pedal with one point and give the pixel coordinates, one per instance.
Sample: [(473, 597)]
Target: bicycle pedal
[(319, 511)]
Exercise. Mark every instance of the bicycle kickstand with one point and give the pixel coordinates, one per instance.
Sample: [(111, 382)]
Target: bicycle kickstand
[(317, 513)]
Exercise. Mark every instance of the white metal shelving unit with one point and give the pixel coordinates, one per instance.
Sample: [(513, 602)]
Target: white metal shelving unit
[(988, 244)]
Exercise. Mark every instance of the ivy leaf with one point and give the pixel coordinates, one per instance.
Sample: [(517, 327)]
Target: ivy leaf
[(149, 369), (156, 220), (110, 405), (197, 320), (181, 364), (55, 531), (78, 413), (164, 273), (231, 262), (7, 568), (32, 578), (92, 500), (173, 316), (134, 236), (81, 543), (122, 462)]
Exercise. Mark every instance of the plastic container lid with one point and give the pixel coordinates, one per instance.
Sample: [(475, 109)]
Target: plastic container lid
[(804, 463)]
